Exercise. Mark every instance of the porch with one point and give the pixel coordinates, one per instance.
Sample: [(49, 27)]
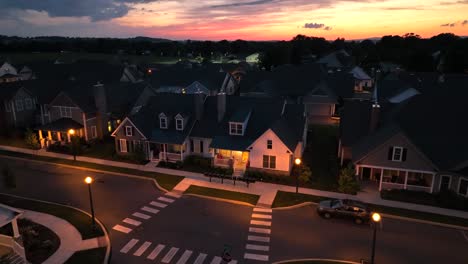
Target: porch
[(393, 178), (166, 152), (59, 132), (237, 160)]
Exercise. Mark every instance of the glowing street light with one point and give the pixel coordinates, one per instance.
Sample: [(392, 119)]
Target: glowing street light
[(88, 180), (298, 162), (71, 134), (376, 218)]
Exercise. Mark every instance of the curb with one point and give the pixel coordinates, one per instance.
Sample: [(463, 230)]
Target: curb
[(93, 170), (220, 199), (106, 234), (293, 206), (316, 259), (425, 222)]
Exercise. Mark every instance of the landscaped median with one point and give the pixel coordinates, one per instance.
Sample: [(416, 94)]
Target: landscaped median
[(90, 256), (285, 199), (166, 181), (223, 194)]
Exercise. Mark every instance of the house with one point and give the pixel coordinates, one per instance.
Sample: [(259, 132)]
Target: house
[(18, 105), (237, 132), (415, 144), (362, 79), (11, 237), (337, 60)]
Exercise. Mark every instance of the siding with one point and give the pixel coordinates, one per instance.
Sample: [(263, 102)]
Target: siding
[(119, 133), (63, 100), (414, 159), (259, 148), (196, 147)]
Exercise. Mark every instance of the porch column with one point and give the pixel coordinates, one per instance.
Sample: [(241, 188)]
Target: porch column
[(406, 180), (14, 223), (357, 172), (432, 183), (59, 136), (164, 152), (41, 139), (49, 135), (68, 137), (381, 176), (181, 153), (85, 127)]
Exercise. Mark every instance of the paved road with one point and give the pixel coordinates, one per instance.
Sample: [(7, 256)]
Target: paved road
[(167, 229)]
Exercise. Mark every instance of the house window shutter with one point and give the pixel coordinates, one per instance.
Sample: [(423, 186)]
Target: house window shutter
[(390, 153), (403, 158)]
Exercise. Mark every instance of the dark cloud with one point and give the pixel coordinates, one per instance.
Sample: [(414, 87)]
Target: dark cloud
[(460, 2), (251, 3), (404, 8), (448, 25), (464, 22), (95, 9), (454, 24), (317, 26)]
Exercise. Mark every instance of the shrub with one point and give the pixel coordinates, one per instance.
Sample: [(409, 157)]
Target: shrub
[(31, 140), (347, 182)]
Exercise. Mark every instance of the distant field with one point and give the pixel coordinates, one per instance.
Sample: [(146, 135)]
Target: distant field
[(21, 58)]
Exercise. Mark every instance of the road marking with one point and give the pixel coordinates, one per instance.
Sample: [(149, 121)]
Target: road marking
[(256, 257), (262, 210), (129, 246), (175, 195), (260, 230), (258, 238), (142, 249), (201, 257), (216, 260), (262, 223), (184, 257), (464, 235), (150, 210), (164, 199), (261, 216), (257, 247), (122, 229), (155, 252), (170, 255), (160, 205), (142, 216), (131, 222)]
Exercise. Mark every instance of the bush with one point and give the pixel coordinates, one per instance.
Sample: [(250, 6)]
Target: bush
[(347, 182), (31, 140)]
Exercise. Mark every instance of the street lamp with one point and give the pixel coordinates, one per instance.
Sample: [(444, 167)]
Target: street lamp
[(89, 181), (298, 162), (71, 132), (376, 219)]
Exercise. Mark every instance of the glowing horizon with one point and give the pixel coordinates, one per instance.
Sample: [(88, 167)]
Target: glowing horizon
[(231, 20)]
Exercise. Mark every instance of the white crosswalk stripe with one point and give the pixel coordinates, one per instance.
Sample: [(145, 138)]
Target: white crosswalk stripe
[(168, 257), (260, 230), (262, 210), (142, 216), (122, 229), (216, 260), (129, 246), (258, 238), (256, 257), (160, 205), (150, 210), (201, 257), (171, 194), (155, 252), (164, 199), (261, 216), (184, 257), (131, 222), (142, 249), (257, 247), (262, 223)]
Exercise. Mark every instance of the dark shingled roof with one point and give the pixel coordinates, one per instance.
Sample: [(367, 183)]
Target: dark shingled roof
[(355, 120)]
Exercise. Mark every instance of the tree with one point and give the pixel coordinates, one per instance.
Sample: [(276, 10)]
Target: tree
[(305, 174), (347, 182), (31, 139)]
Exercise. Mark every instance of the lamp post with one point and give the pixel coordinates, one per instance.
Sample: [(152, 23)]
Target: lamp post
[(376, 219), (89, 181), (71, 133), (298, 162)]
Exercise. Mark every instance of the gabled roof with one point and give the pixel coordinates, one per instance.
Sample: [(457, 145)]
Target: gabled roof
[(8, 90), (337, 59), (354, 122)]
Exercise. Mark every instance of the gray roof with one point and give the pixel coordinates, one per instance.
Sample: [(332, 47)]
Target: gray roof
[(354, 122)]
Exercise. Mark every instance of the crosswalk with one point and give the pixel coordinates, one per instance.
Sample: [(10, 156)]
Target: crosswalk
[(258, 240), (168, 254), (145, 213)]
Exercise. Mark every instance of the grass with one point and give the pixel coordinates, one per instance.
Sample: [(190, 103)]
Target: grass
[(39, 241), (166, 181), (90, 256), (283, 199), (13, 142), (238, 196), (80, 220)]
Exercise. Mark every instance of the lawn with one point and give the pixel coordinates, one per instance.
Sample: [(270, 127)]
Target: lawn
[(283, 199), (166, 181), (90, 256), (238, 196), (13, 142), (80, 220)]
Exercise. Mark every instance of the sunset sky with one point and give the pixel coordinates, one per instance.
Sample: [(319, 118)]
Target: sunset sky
[(232, 19)]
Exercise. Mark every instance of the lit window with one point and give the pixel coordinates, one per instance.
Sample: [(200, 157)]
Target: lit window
[(128, 131), (179, 124), (269, 144), (236, 129)]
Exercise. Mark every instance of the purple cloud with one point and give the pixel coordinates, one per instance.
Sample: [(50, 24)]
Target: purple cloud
[(317, 26)]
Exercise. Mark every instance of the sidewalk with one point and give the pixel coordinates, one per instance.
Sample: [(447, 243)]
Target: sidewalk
[(70, 238), (266, 191)]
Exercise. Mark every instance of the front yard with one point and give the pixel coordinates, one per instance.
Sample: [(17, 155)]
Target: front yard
[(223, 194)]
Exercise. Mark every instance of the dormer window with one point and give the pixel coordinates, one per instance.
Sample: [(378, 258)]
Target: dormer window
[(162, 121), (179, 123), (236, 129)]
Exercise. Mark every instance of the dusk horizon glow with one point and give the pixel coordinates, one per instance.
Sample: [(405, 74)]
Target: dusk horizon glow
[(225, 19)]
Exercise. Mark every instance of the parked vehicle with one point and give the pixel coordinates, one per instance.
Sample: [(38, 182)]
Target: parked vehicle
[(351, 209)]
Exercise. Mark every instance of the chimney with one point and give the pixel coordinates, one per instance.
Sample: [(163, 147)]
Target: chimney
[(199, 98), (375, 112), (221, 105), (101, 108)]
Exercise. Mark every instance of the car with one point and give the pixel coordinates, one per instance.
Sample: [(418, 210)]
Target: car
[(350, 209)]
